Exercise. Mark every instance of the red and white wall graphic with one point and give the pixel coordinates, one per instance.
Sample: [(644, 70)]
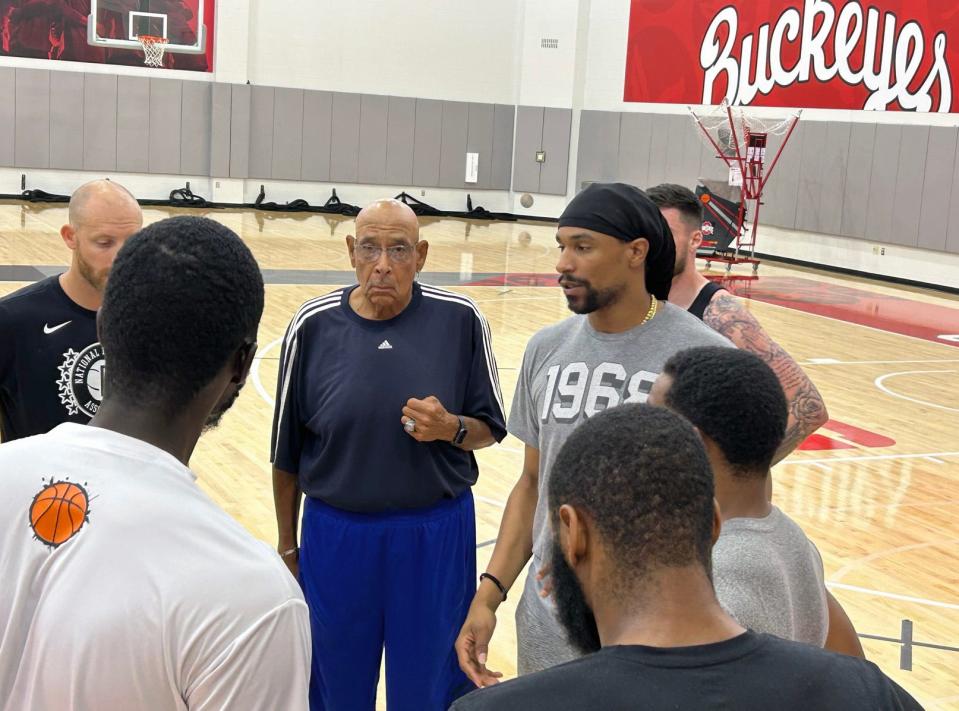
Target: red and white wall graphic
[(880, 55)]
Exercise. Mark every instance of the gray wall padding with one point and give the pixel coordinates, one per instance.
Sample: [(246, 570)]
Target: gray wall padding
[(599, 145), (453, 138), (556, 130), (374, 135), (241, 101), (344, 149), (108, 122), (100, 122), (317, 134), (261, 132), (400, 137), (221, 100), (166, 97), (855, 194), (890, 183), (32, 129), (287, 134), (529, 139), (907, 201), (502, 160), (196, 122), (8, 116), (427, 142), (882, 183), (939, 190), (133, 124), (66, 122), (480, 140)]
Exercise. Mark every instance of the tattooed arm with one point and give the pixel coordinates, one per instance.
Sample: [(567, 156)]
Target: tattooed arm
[(807, 412)]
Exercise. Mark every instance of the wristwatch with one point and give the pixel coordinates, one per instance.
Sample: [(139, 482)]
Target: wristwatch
[(461, 432)]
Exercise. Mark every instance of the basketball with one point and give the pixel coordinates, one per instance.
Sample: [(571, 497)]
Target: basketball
[(58, 512), (95, 379), (526, 200)]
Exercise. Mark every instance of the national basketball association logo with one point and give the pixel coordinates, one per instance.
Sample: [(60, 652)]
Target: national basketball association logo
[(81, 377)]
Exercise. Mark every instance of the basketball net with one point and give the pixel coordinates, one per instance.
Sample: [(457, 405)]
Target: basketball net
[(152, 49)]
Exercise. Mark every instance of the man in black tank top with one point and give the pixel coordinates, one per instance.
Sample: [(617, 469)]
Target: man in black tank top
[(705, 295), (50, 360), (726, 314)]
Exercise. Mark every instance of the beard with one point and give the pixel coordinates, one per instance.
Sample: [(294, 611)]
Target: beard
[(594, 299), (98, 280), (573, 612), (217, 414)]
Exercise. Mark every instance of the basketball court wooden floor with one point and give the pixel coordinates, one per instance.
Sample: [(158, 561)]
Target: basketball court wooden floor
[(877, 489)]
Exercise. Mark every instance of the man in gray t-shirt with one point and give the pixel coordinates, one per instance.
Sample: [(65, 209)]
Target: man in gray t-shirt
[(616, 262), (769, 576), (570, 372), (766, 572)]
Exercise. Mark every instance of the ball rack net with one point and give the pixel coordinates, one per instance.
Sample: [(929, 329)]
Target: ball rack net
[(744, 152)]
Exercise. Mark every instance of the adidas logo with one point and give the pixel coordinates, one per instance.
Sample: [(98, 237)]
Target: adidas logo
[(385, 346)]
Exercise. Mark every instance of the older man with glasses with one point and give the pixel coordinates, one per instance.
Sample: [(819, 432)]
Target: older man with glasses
[(386, 387)]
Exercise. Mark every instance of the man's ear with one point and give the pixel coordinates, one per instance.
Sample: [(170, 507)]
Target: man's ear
[(351, 248), (638, 251), (422, 249), (695, 241), (243, 361), (574, 534), (69, 236), (717, 521)]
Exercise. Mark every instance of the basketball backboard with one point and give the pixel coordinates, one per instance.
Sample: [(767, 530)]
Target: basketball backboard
[(118, 23)]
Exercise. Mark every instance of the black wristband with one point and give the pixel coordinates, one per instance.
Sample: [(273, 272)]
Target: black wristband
[(493, 579)]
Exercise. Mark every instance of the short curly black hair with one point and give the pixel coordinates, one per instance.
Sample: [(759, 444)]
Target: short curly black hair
[(735, 399), (668, 195), (183, 295), (642, 475)]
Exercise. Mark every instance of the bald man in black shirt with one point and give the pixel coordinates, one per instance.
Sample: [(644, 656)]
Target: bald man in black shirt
[(50, 361)]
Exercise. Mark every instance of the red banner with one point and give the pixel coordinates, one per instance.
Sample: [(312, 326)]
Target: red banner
[(885, 55)]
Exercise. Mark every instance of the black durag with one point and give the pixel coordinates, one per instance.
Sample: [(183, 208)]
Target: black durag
[(624, 212)]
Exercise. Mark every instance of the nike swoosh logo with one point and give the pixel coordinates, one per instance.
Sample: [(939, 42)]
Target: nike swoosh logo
[(47, 330)]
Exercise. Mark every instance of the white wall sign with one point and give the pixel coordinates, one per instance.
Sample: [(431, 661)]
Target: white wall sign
[(472, 167)]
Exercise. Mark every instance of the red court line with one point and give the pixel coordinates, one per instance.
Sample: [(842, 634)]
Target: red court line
[(886, 313)]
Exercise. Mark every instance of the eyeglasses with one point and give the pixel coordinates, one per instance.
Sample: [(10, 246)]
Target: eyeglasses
[(370, 253)]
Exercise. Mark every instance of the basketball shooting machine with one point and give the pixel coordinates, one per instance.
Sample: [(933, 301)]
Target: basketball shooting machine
[(726, 238)]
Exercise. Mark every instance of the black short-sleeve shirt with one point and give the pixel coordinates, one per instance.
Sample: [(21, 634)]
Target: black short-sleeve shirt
[(751, 672), (51, 363)]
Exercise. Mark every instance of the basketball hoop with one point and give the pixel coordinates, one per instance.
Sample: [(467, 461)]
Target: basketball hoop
[(152, 49)]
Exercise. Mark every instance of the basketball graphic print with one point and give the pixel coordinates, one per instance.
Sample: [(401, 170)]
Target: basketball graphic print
[(58, 512)]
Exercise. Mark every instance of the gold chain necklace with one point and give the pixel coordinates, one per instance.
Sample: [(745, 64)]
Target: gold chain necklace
[(653, 305)]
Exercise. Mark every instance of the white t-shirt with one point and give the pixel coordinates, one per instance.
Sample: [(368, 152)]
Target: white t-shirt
[(123, 586)]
